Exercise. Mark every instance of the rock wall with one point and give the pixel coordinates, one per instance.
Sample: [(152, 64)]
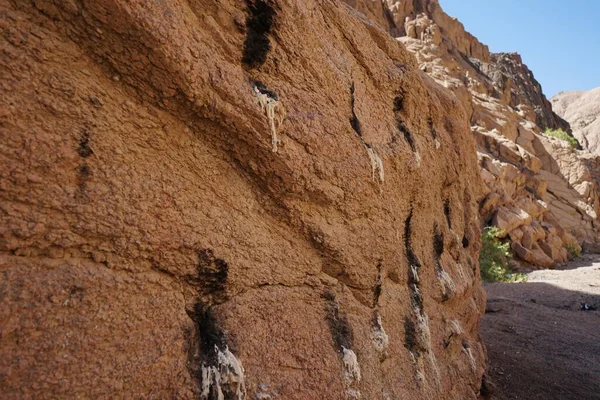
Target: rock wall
[(524, 89), (222, 199), (581, 109), (541, 192)]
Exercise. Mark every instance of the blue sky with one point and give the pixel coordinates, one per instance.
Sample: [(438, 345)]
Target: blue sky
[(559, 40)]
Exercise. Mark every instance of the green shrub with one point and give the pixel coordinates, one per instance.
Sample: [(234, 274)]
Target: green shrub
[(494, 257), (562, 135), (574, 250)]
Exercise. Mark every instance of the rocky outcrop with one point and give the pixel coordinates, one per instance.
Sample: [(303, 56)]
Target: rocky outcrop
[(539, 190), (515, 77), (409, 19), (581, 109), (224, 199)]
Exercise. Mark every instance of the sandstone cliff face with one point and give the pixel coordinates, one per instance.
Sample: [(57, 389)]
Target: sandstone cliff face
[(216, 199), (541, 192)]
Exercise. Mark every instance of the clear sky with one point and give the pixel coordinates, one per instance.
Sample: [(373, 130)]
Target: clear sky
[(559, 40)]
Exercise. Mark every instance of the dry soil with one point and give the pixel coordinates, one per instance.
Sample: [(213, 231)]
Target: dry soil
[(542, 343)]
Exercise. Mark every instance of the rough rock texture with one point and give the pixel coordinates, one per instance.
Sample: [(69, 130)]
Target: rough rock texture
[(581, 109), (526, 90), (540, 191), (409, 17), (154, 245)]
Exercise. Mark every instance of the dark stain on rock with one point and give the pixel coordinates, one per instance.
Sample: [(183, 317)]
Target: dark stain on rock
[(258, 24), (379, 284), (432, 128), (354, 119), (84, 173), (84, 149), (465, 242), (438, 245), (205, 344), (403, 129), (412, 342), (399, 103), (414, 267), (211, 336), (212, 273), (412, 257), (340, 329), (447, 213), (207, 339), (487, 389)]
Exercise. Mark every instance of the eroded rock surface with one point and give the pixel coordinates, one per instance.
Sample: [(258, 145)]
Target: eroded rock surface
[(251, 199), (539, 190), (581, 109)]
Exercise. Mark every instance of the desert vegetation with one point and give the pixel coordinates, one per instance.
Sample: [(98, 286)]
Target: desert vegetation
[(562, 135), (494, 258)]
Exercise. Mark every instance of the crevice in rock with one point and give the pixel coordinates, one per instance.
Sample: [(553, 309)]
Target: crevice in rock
[(399, 103), (264, 89), (411, 256), (438, 245), (465, 242), (340, 329), (445, 282), (414, 265), (403, 129), (377, 290), (447, 213), (432, 128), (417, 335), (377, 169), (218, 373), (341, 333), (354, 118), (411, 341)]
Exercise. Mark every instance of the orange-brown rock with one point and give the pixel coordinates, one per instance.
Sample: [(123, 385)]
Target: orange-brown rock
[(224, 199)]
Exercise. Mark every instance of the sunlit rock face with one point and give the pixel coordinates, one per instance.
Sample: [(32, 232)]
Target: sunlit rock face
[(581, 109), (542, 192)]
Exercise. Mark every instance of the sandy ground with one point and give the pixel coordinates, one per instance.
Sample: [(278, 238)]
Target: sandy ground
[(541, 343)]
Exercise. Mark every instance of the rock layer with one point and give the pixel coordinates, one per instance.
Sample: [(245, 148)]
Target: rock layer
[(215, 198)]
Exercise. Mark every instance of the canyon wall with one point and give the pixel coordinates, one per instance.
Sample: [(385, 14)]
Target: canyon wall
[(219, 199), (581, 109), (539, 190)]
